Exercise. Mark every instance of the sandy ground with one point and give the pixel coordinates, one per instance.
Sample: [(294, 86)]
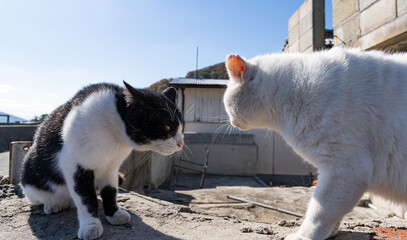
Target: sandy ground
[(187, 214)]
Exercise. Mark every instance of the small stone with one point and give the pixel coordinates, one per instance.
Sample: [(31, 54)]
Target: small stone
[(263, 230), (282, 223), (246, 229), (4, 180), (186, 210)]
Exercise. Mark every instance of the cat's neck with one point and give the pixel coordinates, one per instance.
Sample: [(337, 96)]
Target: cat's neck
[(291, 92)]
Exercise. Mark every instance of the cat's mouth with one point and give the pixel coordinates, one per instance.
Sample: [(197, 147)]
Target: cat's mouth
[(240, 125), (167, 152)]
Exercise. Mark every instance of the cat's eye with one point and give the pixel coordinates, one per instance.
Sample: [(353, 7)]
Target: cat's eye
[(167, 128)]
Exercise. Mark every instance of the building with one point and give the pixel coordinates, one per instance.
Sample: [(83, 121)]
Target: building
[(232, 152), (365, 24)]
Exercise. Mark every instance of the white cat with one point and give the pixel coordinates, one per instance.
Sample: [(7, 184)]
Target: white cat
[(344, 111)]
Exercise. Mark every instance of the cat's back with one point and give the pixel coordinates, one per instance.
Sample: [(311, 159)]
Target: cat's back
[(48, 139), (52, 125)]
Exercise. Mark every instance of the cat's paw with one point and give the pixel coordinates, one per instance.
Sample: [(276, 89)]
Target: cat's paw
[(119, 217), (90, 230), (51, 209), (296, 236)]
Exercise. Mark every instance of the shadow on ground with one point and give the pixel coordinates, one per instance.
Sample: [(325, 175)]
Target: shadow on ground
[(64, 225), (347, 235)]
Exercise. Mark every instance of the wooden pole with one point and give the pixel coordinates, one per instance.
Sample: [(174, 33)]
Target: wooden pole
[(266, 206)]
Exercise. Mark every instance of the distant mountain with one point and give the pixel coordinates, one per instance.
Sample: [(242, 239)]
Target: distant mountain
[(217, 71), (13, 119), (160, 85)]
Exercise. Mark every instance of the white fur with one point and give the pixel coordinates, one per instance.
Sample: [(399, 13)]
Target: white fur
[(344, 111), (53, 202), (119, 217), (94, 137)]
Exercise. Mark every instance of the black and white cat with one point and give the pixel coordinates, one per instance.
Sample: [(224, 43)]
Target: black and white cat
[(78, 149)]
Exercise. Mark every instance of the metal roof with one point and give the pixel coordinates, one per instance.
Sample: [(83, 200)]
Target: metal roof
[(199, 82)]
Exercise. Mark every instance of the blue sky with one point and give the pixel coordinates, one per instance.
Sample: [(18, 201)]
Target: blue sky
[(50, 49)]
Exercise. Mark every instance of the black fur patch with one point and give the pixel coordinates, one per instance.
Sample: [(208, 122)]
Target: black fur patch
[(149, 116), (108, 195), (85, 188)]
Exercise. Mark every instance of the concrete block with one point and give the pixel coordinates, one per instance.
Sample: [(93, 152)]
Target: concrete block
[(376, 15), (295, 47), (294, 35), (348, 32), (308, 50), (343, 10), (335, 2), (18, 150), (401, 7), (381, 37), (306, 40), (306, 23), (305, 8), (365, 3), (293, 21)]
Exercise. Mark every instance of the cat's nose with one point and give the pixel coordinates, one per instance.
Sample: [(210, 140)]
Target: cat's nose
[(180, 144)]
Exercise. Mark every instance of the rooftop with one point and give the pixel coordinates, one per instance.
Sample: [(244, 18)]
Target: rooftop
[(191, 82)]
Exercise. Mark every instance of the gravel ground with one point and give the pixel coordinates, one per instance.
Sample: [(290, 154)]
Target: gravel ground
[(157, 219)]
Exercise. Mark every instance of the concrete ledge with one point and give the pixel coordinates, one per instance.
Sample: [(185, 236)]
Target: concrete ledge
[(10, 133), (289, 180), (210, 138)]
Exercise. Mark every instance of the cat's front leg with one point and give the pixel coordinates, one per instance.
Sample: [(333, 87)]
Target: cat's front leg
[(337, 192), (114, 214), (83, 192)]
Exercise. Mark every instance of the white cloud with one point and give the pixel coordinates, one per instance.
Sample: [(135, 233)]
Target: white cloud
[(6, 88)]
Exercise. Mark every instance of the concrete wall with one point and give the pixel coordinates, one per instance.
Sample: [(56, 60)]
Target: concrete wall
[(274, 155), (306, 27), (145, 168), (10, 133), (231, 154), (371, 24)]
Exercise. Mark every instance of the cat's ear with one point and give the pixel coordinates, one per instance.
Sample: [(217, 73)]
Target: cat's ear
[(132, 95), (170, 93), (236, 67)]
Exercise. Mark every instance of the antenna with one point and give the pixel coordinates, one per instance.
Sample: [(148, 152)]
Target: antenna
[(196, 73)]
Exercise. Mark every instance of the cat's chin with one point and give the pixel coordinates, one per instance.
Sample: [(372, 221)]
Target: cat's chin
[(167, 152)]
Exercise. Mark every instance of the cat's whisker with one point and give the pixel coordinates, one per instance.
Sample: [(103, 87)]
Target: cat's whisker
[(186, 147), (218, 130)]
